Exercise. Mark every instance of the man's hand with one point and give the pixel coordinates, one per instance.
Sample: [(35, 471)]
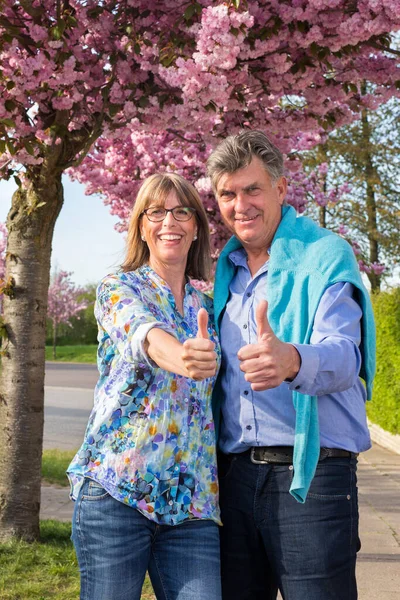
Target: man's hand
[(270, 361), (198, 354)]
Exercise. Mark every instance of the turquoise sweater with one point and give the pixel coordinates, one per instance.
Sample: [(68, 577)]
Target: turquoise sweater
[(304, 261)]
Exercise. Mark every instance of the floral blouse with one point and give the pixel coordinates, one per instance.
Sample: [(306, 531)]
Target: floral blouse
[(150, 440)]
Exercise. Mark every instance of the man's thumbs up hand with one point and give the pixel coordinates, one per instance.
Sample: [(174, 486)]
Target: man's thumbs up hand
[(198, 353), (263, 326), (268, 362)]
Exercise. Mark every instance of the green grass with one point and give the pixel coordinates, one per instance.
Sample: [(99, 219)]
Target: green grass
[(54, 464), (78, 354), (45, 570)]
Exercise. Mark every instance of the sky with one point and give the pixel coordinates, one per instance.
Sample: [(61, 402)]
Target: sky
[(85, 241)]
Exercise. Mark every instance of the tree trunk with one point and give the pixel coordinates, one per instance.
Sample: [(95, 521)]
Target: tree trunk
[(322, 216), (323, 158), (30, 225), (372, 225), (54, 340)]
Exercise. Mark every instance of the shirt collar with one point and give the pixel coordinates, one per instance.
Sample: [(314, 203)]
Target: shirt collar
[(239, 259)]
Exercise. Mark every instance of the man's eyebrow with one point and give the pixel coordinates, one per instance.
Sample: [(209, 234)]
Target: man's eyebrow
[(251, 185), (246, 188)]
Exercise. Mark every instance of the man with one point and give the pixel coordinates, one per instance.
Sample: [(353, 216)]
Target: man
[(296, 330)]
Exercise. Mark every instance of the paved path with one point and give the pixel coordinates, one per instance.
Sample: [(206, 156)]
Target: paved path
[(66, 413), (71, 375), (68, 400), (378, 570)]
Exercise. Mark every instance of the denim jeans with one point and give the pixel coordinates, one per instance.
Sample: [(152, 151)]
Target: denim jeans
[(269, 541), (116, 545)]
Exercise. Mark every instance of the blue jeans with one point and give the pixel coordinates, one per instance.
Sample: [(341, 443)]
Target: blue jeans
[(116, 545), (269, 541)]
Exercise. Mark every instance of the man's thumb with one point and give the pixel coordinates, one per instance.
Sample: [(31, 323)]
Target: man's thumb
[(263, 325), (202, 322)]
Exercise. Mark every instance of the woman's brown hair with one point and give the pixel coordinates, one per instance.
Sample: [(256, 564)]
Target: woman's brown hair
[(154, 191)]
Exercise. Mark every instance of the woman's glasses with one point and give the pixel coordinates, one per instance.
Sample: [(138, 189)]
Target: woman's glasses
[(180, 213)]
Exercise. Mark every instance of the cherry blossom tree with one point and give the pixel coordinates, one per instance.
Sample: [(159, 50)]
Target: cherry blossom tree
[(3, 244), (72, 71), (64, 302), (64, 299), (108, 171)]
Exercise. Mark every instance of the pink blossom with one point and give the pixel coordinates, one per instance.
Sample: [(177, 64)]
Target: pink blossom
[(63, 303), (184, 82), (364, 268), (378, 268)]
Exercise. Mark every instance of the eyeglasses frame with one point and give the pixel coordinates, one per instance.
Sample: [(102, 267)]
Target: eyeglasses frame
[(192, 212)]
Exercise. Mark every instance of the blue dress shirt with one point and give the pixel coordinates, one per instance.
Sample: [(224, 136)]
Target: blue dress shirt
[(329, 369)]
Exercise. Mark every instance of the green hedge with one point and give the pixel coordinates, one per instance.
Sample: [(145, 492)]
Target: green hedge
[(384, 408)]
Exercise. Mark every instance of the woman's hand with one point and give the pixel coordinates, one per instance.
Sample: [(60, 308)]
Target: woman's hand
[(198, 353), (195, 358)]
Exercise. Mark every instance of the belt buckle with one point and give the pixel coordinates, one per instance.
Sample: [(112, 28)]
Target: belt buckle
[(255, 461), (323, 454)]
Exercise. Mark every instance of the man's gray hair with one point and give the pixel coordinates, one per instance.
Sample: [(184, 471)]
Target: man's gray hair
[(236, 152)]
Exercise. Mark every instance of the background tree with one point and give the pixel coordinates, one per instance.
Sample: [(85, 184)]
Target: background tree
[(80, 330), (64, 302), (73, 70), (363, 159)]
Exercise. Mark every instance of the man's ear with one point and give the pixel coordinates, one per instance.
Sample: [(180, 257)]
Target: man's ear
[(281, 187)]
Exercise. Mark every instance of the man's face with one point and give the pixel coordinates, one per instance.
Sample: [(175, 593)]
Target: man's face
[(250, 204)]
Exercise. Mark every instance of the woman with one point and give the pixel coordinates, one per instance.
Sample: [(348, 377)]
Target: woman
[(145, 478)]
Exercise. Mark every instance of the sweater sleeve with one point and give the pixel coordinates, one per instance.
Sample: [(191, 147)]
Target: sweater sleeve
[(332, 361)]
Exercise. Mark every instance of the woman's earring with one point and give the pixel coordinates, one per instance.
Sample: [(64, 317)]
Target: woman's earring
[(143, 238), (195, 237)]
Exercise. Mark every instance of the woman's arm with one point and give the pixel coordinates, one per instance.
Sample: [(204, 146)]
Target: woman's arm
[(140, 336), (195, 358)]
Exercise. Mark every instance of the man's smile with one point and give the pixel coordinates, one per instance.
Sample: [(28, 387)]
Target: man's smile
[(246, 219)]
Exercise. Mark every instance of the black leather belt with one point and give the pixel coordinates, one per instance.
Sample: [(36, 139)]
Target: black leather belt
[(284, 454)]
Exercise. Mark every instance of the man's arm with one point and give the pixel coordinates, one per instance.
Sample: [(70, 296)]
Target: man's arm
[(330, 363)]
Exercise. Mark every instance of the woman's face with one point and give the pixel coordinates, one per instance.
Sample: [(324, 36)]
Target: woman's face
[(169, 240)]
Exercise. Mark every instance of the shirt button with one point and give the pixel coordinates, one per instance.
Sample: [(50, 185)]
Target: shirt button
[(244, 326), (186, 400), (246, 392), (171, 502), (248, 294), (190, 334), (248, 427)]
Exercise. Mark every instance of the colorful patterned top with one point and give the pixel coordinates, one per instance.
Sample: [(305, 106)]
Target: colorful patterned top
[(150, 440)]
